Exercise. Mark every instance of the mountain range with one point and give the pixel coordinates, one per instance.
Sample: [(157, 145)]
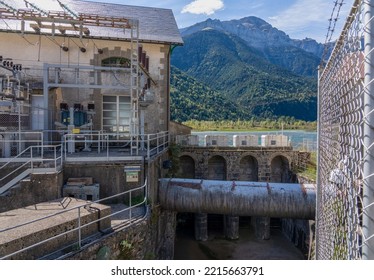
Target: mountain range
[(248, 63)]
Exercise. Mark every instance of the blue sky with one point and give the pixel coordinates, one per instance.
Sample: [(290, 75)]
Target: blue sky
[(298, 18)]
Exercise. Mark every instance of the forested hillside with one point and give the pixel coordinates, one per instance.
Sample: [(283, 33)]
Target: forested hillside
[(192, 100), (226, 78)]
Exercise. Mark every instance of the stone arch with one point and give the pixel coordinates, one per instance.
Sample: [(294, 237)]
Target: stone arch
[(116, 61), (280, 169), (278, 154), (187, 167), (107, 53), (217, 168), (248, 166)]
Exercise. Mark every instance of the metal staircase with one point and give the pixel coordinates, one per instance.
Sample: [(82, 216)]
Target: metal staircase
[(15, 180), (45, 159)]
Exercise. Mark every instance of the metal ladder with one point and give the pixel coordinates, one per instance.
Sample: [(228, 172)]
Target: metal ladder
[(134, 125)]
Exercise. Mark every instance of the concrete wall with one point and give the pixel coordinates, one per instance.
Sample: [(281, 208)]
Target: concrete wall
[(155, 172), (178, 129), (298, 232), (110, 176), (38, 188)]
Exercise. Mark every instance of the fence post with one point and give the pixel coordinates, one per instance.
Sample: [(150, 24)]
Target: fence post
[(157, 143), (107, 147), (130, 210), (319, 190), (42, 143), (79, 228), (31, 158), (368, 160), (55, 157)]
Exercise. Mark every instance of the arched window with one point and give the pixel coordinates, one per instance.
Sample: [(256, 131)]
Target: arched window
[(280, 171), (248, 169), (217, 168), (116, 62), (187, 167)]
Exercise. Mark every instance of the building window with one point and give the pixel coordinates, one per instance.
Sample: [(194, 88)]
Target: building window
[(116, 113), (116, 62)]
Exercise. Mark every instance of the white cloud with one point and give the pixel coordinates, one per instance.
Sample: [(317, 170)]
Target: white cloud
[(302, 12), (207, 7), (306, 15)]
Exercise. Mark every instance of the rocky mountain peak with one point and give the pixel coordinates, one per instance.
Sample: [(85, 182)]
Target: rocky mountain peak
[(257, 33)]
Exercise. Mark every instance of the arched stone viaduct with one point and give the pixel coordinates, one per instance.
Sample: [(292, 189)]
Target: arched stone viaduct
[(251, 164), (255, 164)]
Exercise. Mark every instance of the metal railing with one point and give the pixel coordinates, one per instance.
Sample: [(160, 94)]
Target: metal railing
[(132, 219), (107, 145), (156, 143), (46, 159), (14, 142), (345, 197)]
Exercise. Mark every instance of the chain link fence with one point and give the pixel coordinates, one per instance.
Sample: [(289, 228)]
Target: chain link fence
[(344, 222)]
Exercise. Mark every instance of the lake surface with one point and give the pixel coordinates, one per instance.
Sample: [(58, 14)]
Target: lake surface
[(298, 138)]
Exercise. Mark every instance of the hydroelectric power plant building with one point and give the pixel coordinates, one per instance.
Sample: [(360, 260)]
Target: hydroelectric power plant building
[(84, 116)]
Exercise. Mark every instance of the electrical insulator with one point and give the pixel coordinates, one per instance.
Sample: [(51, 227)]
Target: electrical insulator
[(17, 67)]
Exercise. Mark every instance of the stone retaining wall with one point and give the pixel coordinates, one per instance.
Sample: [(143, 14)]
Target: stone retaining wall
[(152, 238)]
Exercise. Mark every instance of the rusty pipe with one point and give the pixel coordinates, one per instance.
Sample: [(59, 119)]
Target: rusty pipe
[(278, 200)]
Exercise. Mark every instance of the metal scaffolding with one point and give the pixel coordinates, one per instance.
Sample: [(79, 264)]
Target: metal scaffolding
[(64, 21)]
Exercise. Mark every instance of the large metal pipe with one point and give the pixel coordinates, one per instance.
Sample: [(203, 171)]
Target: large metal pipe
[(239, 198)]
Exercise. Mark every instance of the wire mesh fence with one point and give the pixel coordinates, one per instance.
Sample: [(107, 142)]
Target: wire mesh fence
[(346, 139)]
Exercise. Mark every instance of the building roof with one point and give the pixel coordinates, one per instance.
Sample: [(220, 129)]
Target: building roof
[(155, 24)]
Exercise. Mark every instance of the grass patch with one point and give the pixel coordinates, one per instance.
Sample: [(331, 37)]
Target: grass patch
[(310, 172)]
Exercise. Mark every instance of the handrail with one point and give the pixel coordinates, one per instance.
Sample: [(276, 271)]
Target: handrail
[(33, 159), (138, 220), (80, 226), (22, 138), (15, 170), (14, 158), (30, 148), (147, 144)]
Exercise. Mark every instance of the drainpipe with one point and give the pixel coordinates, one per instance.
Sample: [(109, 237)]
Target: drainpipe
[(168, 91)]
